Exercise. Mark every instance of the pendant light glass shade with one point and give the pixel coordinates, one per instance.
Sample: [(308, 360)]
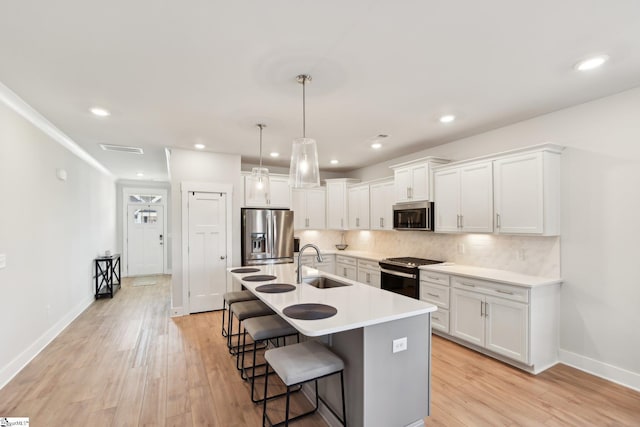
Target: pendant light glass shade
[(259, 188), (304, 171)]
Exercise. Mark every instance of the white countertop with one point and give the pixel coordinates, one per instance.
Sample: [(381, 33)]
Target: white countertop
[(372, 256), (502, 276), (358, 305)]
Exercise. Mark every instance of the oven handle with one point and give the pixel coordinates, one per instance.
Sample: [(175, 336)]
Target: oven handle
[(398, 273)]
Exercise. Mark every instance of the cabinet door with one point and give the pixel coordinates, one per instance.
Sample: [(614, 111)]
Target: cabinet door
[(280, 191), (316, 209), (420, 182), (359, 208), (507, 327), (476, 198), (347, 271), (381, 206), (518, 193), (336, 206), (369, 277), (299, 206), (402, 178), (447, 200), (467, 320)]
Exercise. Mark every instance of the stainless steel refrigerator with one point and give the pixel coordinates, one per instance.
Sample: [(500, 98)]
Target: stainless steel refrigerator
[(267, 236)]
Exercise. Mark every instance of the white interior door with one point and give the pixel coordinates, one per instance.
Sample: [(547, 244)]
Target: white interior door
[(207, 251), (145, 240)]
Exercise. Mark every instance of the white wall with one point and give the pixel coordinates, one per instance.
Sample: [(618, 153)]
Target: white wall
[(600, 259), (203, 167), (50, 231)]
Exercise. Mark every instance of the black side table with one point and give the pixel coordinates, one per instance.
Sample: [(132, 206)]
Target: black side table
[(107, 268)]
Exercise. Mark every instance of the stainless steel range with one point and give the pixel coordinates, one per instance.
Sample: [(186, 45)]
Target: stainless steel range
[(400, 275)]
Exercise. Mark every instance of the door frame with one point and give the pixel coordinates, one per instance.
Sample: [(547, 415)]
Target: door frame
[(126, 192), (205, 187)]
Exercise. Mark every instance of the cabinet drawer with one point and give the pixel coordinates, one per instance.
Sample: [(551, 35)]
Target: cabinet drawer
[(510, 292), (433, 277), (371, 265), (440, 320), (435, 294), (346, 260)]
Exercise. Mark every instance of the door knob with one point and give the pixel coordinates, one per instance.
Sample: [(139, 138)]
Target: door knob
[(222, 257)]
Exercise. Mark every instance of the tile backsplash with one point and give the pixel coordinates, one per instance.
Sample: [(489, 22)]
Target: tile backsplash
[(539, 256)]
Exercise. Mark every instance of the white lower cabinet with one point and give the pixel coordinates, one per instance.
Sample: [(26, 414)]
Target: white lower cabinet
[(434, 288), (516, 324), (497, 324), (346, 267), (369, 273)]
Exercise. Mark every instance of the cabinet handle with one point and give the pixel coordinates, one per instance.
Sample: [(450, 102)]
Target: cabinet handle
[(306, 222), (433, 278), (344, 271), (357, 222), (504, 292), (497, 220), (481, 307), (457, 221), (461, 221), (486, 309), (368, 278), (408, 197), (433, 295), (381, 222), (435, 318), (467, 284), (341, 222)]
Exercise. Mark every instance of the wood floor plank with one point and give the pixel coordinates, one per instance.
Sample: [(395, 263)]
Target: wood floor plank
[(126, 362)]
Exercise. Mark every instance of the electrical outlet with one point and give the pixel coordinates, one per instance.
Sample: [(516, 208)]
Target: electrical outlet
[(3, 260), (400, 344)]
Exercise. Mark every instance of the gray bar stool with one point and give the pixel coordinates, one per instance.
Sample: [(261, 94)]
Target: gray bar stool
[(297, 364), (262, 329), (242, 311), (231, 298)]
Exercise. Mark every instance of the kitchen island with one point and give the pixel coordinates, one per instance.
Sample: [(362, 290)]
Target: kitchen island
[(383, 388)]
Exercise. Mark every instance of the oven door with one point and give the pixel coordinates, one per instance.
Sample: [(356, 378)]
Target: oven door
[(399, 282)]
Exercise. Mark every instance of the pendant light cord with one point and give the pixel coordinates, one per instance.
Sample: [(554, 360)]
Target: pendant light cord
[(304, 115), (261, 126)]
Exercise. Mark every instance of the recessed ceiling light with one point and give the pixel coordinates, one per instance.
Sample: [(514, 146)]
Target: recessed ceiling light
[(139, 174), (591, 63), (376, 145), (100, 112), (274, 154), (334, 162), (199, 146), (447, 118)]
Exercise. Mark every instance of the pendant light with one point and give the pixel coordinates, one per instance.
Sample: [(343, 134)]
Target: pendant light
[(259, 188), (304, 171)]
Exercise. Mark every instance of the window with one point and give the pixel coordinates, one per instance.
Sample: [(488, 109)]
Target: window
[(145, 216), (145, 198)]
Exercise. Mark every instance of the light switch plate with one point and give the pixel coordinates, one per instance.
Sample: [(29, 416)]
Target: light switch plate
[(400, 345), (3, 260)]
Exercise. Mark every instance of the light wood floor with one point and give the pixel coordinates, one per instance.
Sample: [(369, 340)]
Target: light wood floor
[(125, 362)]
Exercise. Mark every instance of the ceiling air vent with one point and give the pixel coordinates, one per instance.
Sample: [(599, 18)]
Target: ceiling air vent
[(122, 149)]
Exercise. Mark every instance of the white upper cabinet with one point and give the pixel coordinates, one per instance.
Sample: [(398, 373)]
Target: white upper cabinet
[(359, 207), (337, 203), (308, 208), (413, 179), (278, 196), (464, 198), (527, 193), (381, 213)]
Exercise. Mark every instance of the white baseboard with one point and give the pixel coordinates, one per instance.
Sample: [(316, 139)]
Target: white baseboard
[(19, 362), (177, 311), (601, 369)]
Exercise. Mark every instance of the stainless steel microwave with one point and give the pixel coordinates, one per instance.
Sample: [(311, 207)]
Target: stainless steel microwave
[(413, 216)]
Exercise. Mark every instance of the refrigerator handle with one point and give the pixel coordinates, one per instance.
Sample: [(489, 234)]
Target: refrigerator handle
[(271, 234)]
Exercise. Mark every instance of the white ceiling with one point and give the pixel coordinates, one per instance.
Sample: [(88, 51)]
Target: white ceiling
[(176, 73)]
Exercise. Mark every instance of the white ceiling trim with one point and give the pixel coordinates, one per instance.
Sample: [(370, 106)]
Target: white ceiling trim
[(17, 104)]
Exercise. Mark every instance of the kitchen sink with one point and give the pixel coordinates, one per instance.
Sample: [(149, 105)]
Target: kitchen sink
[(322, 282)]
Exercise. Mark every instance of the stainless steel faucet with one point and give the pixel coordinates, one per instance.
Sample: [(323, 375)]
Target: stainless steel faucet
[(319, 258)]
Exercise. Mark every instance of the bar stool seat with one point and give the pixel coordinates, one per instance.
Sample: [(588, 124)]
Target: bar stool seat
[(231, 298), (261, 329), (300, 363), (244, 310)]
